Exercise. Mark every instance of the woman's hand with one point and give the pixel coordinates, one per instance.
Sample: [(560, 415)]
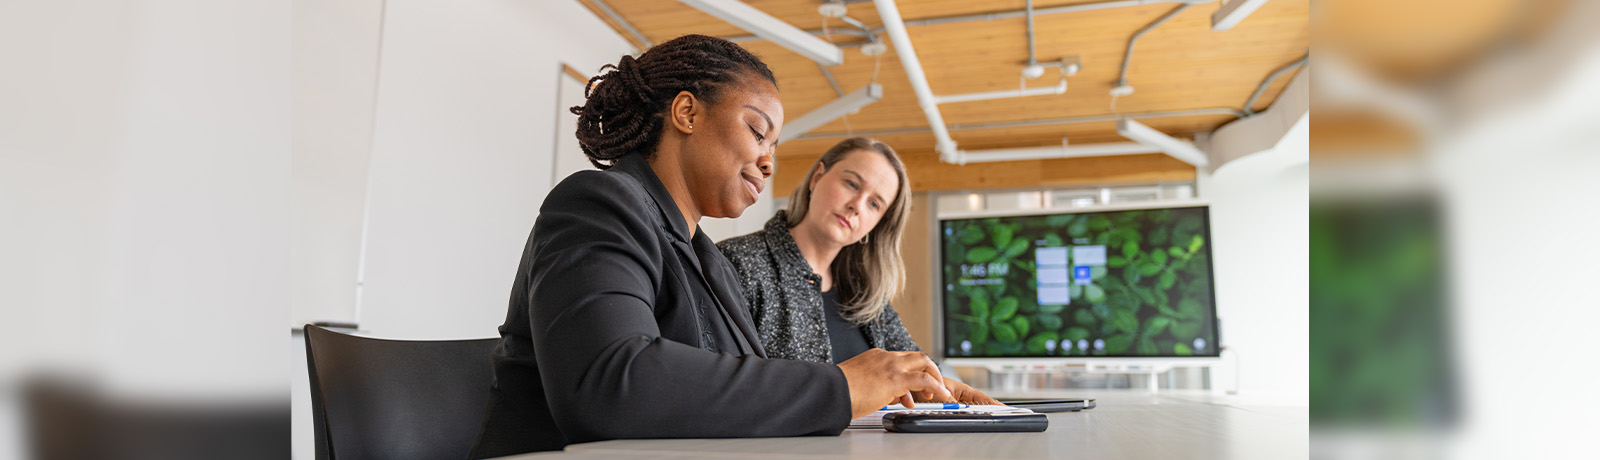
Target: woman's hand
[(965, 394), (879, 378)]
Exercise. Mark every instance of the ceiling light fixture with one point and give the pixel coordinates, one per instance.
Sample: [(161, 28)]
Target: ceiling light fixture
[(1059, 88), (1174, 147), (1232, 12), (765, 26), (842, 106), (1053, 152)]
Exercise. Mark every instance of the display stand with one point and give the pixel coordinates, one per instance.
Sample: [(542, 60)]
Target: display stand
[(1014, 374)]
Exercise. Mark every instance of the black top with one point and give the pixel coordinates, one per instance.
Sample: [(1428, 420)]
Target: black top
[(848, 339), (621, 325), (786, 302)]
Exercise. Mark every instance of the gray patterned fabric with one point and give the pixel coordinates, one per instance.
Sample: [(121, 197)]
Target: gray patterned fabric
[(785, 297)]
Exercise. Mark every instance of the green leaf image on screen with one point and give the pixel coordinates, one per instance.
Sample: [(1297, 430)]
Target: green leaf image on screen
[(1116, 283)]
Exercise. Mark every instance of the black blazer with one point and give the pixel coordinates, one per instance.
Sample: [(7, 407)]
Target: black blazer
[(622, 326)]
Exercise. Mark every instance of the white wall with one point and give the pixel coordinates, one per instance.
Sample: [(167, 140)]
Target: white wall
[(145, 150), (445, 149), (144, 171), (1518, 189), (467, 95), (335, 78), (470, 130), (61, 121), (568, 156), (1259, 223)]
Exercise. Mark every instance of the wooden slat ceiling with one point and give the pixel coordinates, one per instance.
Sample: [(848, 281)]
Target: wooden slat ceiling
[(1424, 42), (1181, 65)]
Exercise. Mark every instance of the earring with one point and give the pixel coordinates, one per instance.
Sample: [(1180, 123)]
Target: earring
[(865, 238)]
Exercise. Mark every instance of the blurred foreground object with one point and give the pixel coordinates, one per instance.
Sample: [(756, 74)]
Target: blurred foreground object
[(1380, 345), (69, 420), (1453, 162)]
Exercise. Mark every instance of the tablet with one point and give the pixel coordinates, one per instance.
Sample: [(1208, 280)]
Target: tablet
[(1051, 405), (963, 422)]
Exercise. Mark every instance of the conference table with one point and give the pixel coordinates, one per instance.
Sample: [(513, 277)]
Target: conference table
[(1125, 425)]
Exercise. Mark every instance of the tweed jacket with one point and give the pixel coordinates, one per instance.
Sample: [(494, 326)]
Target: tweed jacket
[(785, 297)]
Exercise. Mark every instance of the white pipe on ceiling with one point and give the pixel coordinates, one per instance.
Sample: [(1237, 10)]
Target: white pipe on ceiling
[(1146, 139), (896, 28), (988, 17)]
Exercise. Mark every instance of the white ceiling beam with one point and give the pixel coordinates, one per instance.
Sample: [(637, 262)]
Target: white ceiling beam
[(1172, 146), (842, 106), (765, 26), (1233, 11)]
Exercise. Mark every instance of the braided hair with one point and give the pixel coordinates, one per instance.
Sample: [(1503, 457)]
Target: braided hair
[(623, 108)]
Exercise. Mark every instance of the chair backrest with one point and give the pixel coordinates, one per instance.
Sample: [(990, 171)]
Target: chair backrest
[(396, 399)]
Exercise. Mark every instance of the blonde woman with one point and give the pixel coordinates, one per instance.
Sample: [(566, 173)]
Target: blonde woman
[(819, 276)]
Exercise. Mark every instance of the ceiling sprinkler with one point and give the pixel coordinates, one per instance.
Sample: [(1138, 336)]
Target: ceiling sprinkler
[(1069, 65), (832, 10), (875, 48)]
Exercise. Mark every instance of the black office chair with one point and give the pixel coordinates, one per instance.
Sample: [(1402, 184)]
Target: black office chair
[(396, 399)]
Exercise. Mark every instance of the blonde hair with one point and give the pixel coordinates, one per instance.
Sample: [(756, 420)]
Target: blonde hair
[(869, 273)]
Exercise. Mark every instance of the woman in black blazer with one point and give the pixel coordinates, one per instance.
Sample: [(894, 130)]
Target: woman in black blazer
[(624, 320)]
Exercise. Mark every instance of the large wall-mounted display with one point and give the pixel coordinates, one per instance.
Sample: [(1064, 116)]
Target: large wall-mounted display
[(1124, 283)]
